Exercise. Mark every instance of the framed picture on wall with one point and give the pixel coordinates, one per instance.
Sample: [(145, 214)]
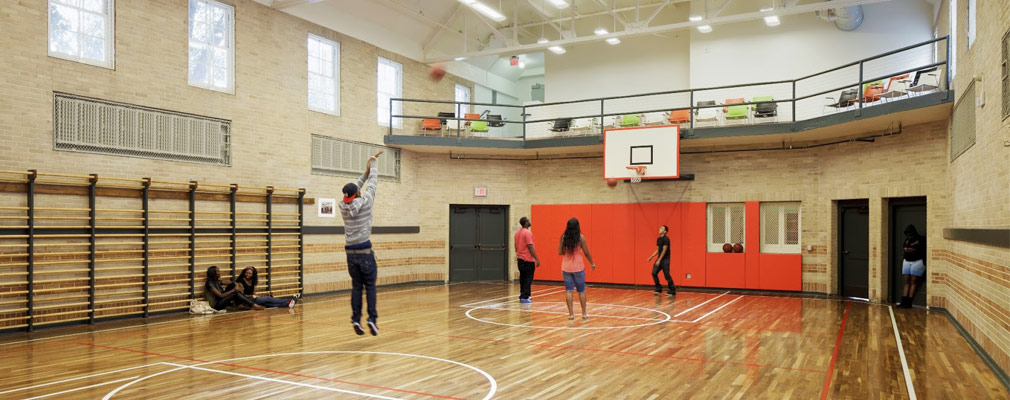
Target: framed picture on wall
[(327, 208)]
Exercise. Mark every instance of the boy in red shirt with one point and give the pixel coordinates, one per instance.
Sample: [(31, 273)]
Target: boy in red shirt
[(526, 258)]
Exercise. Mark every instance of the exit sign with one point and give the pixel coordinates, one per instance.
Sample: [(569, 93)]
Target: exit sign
[(480, 191)]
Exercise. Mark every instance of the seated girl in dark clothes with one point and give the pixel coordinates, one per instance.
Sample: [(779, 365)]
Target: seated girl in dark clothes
[(220, 299), (249, 278)]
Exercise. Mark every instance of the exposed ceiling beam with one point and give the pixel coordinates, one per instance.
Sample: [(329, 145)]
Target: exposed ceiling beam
[(433, 38), (719, 10), (613, 13), (656, 12), (282, 4), (424, 18), (546, 18), (490, 26), (598, 13), (799, 9)]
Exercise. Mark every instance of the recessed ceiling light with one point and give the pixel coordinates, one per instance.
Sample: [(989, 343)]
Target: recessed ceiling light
[(484, 9), (542, 40), (614, 40), (557, 49), (705, 28), (559, 4), (601, 31), (459, 58), (695, 18), (772, 20)]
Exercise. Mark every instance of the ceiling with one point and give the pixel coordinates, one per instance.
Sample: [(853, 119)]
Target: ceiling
[(442, 30)]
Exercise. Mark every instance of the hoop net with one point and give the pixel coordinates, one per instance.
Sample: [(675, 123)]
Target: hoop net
[(637, 172)]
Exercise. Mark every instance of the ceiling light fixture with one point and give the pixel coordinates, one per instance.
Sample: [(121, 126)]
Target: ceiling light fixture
[(601, 31), (705, 28), (459, 59), (559, 4), (557, 49), (772, 20), (542, 40), (694, 18), (484, 9), (614, 41)]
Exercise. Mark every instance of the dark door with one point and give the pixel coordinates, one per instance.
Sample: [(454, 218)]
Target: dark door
[(478, 243), (904, 212), (854, 226)]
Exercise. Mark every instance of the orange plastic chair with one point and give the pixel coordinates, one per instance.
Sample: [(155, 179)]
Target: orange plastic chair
[(431, 124), (872, 93), (679, 116), (732, 101), (471, 116)]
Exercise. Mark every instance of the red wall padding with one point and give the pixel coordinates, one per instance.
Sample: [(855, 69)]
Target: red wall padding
[(622, 236)]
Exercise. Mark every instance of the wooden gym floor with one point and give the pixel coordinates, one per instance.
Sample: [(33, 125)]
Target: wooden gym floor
[(475, 341)]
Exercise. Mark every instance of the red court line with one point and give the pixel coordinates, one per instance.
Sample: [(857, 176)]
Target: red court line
[(551, 346), (834, 356), (269, 370)]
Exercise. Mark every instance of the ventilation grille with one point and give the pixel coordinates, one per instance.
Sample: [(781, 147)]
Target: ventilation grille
[(105, 127), (345, 158), (962, 124)]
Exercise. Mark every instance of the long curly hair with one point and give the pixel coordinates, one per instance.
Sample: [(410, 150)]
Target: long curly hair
[(251, 282), (571, 239)]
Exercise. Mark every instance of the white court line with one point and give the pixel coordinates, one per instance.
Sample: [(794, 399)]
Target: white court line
[(81, 388), (495, 307), (901, 352), (717, 309), (263, 378), (532, 294), (699, 305), (77, 378)]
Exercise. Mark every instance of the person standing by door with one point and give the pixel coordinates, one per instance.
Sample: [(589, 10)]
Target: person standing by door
[(662, 262), (526, 258), (913, 265), (356, 209)]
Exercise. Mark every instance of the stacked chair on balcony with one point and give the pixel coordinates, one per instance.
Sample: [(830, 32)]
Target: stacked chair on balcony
[(925, 80), (677, 117), (736, 113), (629, 120), (708, 116), (844, 100), (766, 109), (560, 125), (872, 92), (897, 87)]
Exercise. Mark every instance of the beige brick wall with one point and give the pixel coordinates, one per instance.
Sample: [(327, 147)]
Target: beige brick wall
[(977, 278)]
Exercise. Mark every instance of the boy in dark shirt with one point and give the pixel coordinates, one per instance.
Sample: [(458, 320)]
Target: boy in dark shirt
[(662, 262)]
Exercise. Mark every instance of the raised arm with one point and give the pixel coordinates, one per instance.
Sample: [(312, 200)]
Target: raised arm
[(372, 176)]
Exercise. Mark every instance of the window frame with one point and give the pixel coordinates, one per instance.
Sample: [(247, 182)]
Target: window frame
[(970, 27), (336, 75), (782, 247), (952, 38), (395, 108), (109, 41), (230, 29), (713, 247), (465, 108)]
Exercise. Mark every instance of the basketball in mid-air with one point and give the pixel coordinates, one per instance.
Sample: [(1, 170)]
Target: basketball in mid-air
[(436, 73), (611, 182)]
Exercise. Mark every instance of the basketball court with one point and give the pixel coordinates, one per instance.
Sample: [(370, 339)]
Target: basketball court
[(764, 199)]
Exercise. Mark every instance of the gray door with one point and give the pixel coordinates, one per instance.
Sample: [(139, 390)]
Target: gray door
[(904, 212), (478, 243), (492, 243), (462, 244), (855, 241)]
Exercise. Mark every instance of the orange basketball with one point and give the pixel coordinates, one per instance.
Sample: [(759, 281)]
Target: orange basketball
[(611, 182), (738, 248), (727, 248), (436, 73)]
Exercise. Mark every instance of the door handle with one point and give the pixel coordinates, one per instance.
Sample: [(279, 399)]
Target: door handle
[(845, 252)]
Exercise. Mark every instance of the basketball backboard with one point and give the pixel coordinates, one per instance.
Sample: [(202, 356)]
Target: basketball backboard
[(655, 147)]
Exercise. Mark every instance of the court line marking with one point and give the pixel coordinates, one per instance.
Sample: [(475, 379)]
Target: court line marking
[(78, 378), (81, 388), (263, 378), (540, 292), (717, 309), (655, 322), (496, 307), (901, 352), (699, 305), (834, 356), (491, 380)]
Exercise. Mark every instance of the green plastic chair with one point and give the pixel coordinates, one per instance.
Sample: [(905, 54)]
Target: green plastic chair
[(478, 126), (736, 112), (758, 99), (630, 120)]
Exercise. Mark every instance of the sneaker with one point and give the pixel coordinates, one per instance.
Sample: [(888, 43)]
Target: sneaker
[(527, 301), (291, 303), (671, 293), (374, 329), (357, 328), (657, 291)]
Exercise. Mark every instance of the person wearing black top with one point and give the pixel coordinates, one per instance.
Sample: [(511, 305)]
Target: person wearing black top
[(249, 278), (662, 262), (220, 299), (913, 265)]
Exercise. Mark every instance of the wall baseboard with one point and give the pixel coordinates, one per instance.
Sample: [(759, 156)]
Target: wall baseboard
[(1000, 373)]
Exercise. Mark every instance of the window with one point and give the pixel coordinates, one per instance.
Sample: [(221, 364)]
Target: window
[(212, 45), (390, 85), (345, 158), (82, 31), (953, 37), (725, 225), (1005, 65), (462, 96), (971, 23), (324, 75), (104, 127), (780, 227)]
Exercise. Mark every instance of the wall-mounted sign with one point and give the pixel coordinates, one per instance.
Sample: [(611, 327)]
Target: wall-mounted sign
[(480, 191)]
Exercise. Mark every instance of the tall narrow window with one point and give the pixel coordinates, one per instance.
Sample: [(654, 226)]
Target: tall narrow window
[(971, 23), (324, 75), (780, 227), (725, 225), (212, 45), (82, 31), (390, 85), (953, 37), (462, 96)]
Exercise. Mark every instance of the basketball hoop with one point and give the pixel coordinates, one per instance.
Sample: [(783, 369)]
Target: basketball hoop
[(637, 172)]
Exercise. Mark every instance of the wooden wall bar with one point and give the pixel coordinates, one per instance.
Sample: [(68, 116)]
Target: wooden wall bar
[(83, 248)]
